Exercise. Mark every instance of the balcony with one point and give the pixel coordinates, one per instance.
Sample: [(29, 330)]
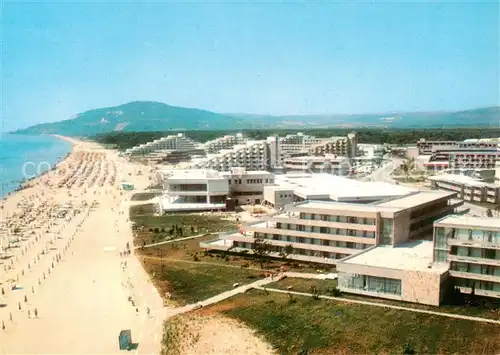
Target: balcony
[(474, 260), (475, 244), (295, 219), (283, 243), (269, 228), (474, 276)]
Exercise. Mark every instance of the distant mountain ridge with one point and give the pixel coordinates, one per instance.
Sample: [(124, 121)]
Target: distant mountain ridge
[(147, 116)]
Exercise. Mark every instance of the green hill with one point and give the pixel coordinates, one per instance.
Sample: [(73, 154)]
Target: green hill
[(146, 116), (134, 117)]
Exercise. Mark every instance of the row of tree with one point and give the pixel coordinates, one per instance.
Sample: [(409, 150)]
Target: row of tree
[(125, 140)]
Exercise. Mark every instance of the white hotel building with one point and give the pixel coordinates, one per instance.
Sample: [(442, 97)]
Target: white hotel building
[(203, 190), (253, 155), (177, 142)]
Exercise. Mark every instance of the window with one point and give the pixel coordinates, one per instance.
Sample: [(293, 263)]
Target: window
[(440, 255), (387, 230)]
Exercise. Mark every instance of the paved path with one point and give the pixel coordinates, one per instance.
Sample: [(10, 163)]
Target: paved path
[(383, 305), (172, 241), (171, 312)]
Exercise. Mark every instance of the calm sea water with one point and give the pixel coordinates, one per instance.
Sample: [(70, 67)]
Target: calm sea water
[(23, 157)]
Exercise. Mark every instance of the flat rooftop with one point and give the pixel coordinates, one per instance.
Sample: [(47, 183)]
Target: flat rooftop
[(469, 221), (414, 256), (461, 179), (417, 199), (339, 188), (355, 207), (195, 174), (246, 172)]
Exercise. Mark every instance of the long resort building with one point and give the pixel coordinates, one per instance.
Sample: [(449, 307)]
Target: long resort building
[(327, 231)]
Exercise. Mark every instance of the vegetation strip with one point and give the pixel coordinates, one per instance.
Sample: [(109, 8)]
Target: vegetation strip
[(340, 299)]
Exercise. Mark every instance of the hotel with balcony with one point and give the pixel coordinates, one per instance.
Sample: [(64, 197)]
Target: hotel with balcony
[(467, 188), (327, 231), (471, 247), (176, 142), (340, 146), (253, 155), (221, 143), (429, 147)]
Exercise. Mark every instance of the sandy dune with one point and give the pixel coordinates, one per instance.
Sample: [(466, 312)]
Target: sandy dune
[(209, 334)]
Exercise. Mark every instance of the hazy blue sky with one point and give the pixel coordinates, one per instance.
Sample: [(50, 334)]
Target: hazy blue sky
[(279, 58)]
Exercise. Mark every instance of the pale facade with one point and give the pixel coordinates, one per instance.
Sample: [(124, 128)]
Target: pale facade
[(247, 187), (428, 147), (402, 273), (197, 186), (325, 232), (471, 247), (177, 142), (251, 156), (467, 188), (209, 189), (221, 143)]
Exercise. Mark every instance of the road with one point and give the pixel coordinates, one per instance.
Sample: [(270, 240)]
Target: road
[(383, 173)]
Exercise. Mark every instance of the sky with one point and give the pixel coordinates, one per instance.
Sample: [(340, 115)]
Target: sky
[(60, 58)]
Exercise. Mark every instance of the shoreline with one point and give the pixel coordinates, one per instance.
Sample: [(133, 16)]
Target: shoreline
[(63, 262), (31, 182)]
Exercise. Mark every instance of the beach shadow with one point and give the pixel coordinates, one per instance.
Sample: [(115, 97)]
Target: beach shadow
[(2, 305)]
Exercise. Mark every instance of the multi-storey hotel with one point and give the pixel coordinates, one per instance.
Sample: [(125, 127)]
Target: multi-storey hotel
[(314, 164), (429, 147), (326, 231), (253, 155), (467, 188), (342, 146), (463, 158), (471, 246), (221, 143), (177, 142)]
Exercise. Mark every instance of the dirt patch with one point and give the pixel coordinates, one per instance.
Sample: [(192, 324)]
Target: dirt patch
[(197, 335)]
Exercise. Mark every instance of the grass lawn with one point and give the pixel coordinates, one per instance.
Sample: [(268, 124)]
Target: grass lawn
[(304, 285), (190, 276), (151, 229), (297, 324), (189, 282), (490, 309), (144, 196)]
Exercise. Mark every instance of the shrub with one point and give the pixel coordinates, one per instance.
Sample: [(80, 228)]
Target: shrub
[(408, 349)]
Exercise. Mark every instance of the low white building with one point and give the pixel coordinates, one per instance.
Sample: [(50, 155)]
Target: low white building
[(202, 189), (191, 190), (247, 187), (326, 187)]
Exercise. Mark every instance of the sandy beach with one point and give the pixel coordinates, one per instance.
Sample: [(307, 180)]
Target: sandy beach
[(67, 282)]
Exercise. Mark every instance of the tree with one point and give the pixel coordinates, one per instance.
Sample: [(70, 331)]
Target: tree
[(287, 250), (408, 349), (261, 248)]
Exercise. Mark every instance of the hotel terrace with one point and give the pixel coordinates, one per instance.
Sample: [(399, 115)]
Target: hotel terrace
[(327, 231)]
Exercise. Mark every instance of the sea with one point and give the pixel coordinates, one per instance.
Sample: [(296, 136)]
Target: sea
[(23, 157)]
